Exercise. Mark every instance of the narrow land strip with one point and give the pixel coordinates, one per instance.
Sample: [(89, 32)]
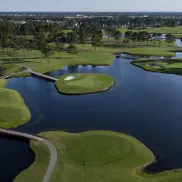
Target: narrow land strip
[(53, 151)]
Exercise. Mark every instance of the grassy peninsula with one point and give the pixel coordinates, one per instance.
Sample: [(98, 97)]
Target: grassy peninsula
[(2, 82), (13, 111), (95, 156), (166, 65)]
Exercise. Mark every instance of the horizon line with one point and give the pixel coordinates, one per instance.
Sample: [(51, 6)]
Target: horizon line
[(96, 11)]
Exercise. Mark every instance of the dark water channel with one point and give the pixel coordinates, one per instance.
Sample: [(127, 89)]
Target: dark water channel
[(142, 104)]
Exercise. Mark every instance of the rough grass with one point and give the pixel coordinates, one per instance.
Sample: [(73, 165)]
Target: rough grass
[(171, 66), (84, 83), (13, 111), (110, 157), (2, 82)]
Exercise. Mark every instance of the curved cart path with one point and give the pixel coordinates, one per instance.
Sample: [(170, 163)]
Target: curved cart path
[(53, 151)]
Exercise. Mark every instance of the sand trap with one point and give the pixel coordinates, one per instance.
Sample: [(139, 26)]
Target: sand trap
[(70, 78)]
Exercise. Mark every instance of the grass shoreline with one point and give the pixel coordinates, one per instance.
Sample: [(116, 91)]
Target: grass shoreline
[(14, 111), (3, 82), (70, 167), (86, 56), (167, 65)]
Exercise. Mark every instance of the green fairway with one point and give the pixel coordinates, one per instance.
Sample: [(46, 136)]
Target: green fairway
[(2, 82), (171, 66), (178, 36), (33, 60), (84, 83), (87, 55), (13, 111), (163, 30), (94, 156)]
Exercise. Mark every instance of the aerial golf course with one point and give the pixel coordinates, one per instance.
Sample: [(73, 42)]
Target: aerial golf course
[(93, 156)]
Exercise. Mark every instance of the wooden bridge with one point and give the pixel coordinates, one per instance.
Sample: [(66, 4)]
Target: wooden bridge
[(28, 70), (42, 75), (8, 76)]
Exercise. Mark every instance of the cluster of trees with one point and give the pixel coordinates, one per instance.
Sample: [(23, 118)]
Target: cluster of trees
[(35, 36), (47, 38), (50, 37), (142, 36)]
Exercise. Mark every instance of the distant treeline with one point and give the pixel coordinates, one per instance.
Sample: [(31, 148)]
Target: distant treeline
[(105, 22)]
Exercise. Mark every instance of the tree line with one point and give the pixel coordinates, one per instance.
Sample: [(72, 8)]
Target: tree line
[(50, 37), (117, 20), (47, 38)]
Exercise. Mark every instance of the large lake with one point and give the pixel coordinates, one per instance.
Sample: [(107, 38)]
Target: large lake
[(145, 105)]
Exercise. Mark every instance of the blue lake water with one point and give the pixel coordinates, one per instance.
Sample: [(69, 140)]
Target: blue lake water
[(142, 104)]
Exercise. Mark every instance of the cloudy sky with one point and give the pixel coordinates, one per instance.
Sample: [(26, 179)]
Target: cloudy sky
[(91, 5)]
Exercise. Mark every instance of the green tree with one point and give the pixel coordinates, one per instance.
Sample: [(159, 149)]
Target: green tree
[(59, 46), (71, 37), (72, 49), (134, 37), (97, 39), (159, 38), (117, 35), (47, 51), (170, 38), (128, 35)]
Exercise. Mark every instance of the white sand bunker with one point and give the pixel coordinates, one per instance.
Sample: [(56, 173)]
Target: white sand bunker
[(70, 78)]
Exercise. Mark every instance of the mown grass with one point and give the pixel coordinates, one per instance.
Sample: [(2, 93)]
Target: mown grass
[(163, 43), (84, 83), (163, 30), (34, 60), (178, 36), (170, 66), (2, 82), (87, 55), (13, 111), (95, 156), (141, 50)]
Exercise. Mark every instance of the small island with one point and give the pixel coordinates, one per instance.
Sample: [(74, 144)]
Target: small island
[(164, 65), (84, 83), (13, 111)]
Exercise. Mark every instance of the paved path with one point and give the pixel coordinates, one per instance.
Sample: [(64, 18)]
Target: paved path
[(33, 73), (42, 75), (53, 151), (8, 76)]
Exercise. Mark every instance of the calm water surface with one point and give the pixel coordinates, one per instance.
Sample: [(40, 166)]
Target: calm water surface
[(142, 104)]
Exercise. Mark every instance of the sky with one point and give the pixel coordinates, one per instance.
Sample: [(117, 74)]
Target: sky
[(91, 5)]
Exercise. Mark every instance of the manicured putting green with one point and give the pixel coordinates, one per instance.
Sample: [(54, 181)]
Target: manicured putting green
[(13, 111), (94, 156), (83, 83)]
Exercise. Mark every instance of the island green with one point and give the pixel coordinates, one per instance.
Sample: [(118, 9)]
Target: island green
[(84, 83)]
